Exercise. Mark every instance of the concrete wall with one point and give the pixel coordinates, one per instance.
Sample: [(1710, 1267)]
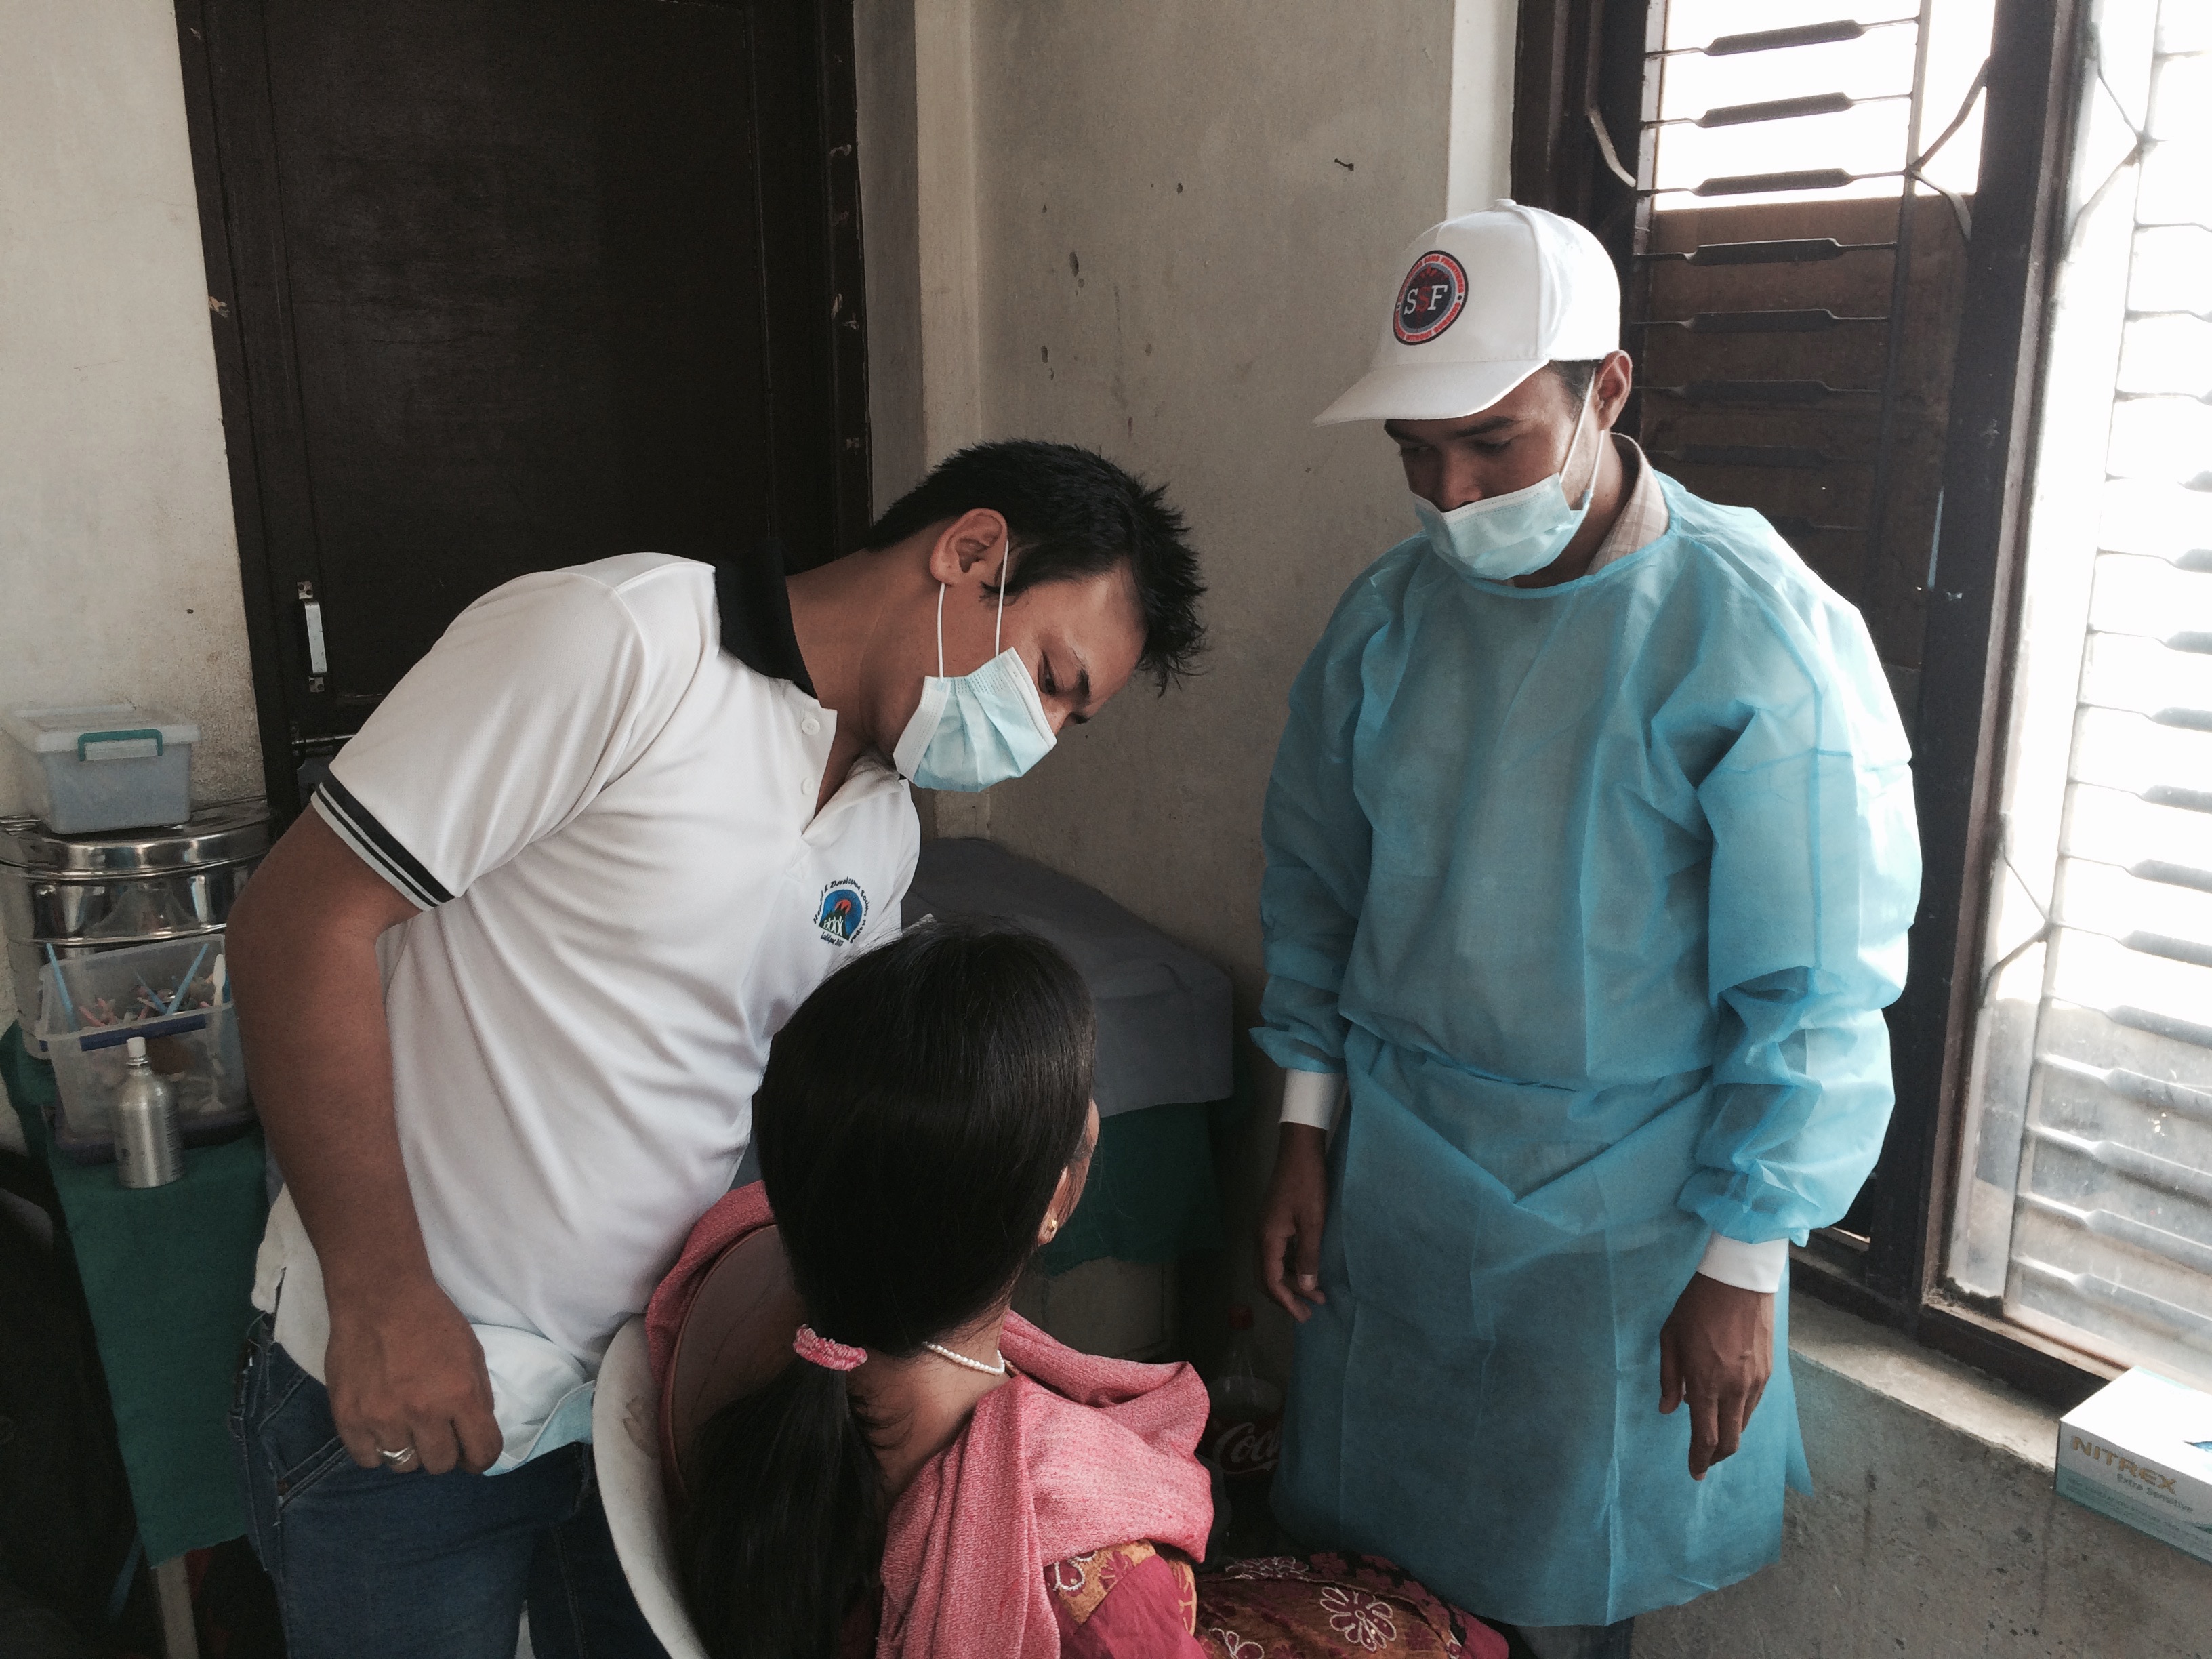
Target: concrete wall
[(1933, 1531), (1187, 212), (890, 229), (118, 570), (1182, 218)]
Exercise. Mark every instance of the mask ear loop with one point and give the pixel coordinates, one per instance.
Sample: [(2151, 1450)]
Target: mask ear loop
[(996, 627), (1589, 394), (1006, 567)]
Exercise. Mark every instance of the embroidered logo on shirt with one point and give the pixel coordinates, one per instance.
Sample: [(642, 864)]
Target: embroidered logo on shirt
[(843, 911), (1431, 298)]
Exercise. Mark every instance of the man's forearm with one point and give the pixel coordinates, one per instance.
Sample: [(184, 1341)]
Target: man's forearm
[(408, 1386), (302, 957)]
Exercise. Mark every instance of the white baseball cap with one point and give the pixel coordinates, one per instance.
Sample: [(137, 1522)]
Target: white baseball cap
[(1477, 305)]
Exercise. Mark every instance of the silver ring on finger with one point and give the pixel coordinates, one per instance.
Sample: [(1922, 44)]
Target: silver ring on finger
[(398, 1459)]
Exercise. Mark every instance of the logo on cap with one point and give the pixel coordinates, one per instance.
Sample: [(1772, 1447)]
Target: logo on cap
[(1430, 299)]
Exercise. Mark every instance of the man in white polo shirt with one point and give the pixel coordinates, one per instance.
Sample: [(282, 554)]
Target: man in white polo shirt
[(508, 989)]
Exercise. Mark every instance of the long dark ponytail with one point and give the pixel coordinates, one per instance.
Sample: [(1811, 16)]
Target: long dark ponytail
[(913, 1123)]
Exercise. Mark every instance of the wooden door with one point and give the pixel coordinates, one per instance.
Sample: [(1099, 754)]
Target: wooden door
[(502, 285)]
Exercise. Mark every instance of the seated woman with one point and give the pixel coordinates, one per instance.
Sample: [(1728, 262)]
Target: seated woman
[(865, 1450)]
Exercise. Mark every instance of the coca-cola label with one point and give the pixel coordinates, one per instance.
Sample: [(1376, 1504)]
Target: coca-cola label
[(1244, 1447)]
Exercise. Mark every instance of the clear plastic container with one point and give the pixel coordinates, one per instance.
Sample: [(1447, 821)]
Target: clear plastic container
[(101, 766), (168, 993)]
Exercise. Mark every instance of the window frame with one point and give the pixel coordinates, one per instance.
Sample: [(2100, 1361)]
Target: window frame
[(1574, 56)]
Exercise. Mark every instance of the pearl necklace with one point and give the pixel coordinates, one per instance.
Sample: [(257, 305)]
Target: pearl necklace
[(943, 1353)]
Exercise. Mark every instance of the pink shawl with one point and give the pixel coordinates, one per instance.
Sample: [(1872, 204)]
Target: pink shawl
[(1076, 1454)]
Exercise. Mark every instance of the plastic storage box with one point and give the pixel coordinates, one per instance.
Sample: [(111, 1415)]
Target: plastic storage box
[(171, 994), (106, 766)]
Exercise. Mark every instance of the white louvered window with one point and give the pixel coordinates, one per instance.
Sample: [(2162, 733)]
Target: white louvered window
[(2084, 1207)]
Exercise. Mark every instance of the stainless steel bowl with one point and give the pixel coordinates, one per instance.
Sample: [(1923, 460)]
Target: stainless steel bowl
[(78, 895)]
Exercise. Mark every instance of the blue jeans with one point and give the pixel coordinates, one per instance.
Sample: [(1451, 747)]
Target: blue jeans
[(369, 1564)]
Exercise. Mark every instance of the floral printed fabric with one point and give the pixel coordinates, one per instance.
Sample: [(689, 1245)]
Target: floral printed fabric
[(1130, 1602), (1082, 1582), (1332, 1607), (1135, 1601)]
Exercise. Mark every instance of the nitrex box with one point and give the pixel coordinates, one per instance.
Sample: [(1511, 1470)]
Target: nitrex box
[(2140, 1451)]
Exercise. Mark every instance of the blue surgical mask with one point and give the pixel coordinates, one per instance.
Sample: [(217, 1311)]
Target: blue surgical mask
[(978, 729), (1502, 536)]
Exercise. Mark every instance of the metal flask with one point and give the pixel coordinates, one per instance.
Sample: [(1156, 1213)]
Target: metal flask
[(149, 1152)]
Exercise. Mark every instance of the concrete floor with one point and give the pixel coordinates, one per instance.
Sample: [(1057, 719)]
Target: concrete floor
[(1933, 1531)]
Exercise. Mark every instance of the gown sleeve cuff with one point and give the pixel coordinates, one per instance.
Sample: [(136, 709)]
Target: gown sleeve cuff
[(1313, 1098), (1746, 1266)]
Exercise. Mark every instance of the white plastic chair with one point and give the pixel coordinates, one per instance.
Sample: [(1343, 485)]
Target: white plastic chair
[(626, 1447)]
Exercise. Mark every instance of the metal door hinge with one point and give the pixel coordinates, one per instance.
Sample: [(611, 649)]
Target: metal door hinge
[(318, 663)]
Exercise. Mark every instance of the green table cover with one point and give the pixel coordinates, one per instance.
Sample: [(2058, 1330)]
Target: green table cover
[(168, 1272), (1150, 1196)]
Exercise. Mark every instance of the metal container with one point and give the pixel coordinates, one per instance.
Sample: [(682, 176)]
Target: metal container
[(149, 1148), (81, 894)]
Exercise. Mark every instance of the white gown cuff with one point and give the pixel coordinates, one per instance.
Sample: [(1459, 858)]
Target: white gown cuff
[(1746, 1266), (1313, 1098)]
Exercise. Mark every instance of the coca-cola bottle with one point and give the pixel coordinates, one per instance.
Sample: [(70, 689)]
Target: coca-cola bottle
[(1244, 1435)]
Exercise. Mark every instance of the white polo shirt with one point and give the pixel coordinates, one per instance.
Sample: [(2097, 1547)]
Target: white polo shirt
[(607, 820)]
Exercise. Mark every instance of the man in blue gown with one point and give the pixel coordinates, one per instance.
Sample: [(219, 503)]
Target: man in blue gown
[(1590, 856)]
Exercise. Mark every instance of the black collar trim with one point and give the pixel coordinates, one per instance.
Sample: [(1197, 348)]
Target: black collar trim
[(755, 615)]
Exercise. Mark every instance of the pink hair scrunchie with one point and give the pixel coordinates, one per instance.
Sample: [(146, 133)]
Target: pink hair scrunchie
[(816, 1349)]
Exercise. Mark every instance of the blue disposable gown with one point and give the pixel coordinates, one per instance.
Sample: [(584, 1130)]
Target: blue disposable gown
[(1595, 893)]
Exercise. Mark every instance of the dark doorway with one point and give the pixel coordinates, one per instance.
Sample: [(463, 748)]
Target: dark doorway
[(502, 285)]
